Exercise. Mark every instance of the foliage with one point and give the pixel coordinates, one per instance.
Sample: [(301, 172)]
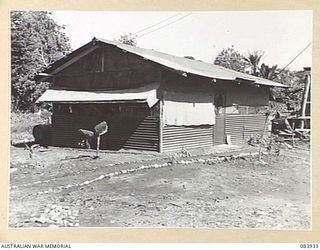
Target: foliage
[(21, 125), (127, 39), (36, 41), (253, 59), (289, 99), (231, 59), (267, 72)]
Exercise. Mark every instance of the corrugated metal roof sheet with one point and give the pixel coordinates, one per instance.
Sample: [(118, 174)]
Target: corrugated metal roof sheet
[(179, 64), (192, 66), (146, 94)]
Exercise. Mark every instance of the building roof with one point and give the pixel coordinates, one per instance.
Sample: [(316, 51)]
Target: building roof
[(147, 94), (179, 64)]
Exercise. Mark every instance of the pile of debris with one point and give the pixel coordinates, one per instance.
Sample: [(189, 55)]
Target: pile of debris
[(285, 127), (283, 134)]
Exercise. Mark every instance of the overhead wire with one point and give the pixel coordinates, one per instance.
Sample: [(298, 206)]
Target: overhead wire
[(294, 58), (151, 26), (163, 26)]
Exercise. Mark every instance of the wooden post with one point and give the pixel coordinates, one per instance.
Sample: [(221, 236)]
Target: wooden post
[(100, 129), (305, 97), (98, 145), (263, 132), (293, 125), (102, 61), (161, 127)]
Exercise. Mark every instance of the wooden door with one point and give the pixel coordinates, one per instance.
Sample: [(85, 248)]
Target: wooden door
[(219, 127), (218, 134)]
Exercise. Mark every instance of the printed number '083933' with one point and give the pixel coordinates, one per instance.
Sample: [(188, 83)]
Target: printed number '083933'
[(309, 246)]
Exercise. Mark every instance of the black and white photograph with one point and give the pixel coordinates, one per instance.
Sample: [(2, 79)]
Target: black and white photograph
[(160, 119)]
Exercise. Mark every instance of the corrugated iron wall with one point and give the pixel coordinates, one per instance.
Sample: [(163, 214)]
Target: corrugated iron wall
[(186, 137), (145, 136), (125, 130), (241, 127)]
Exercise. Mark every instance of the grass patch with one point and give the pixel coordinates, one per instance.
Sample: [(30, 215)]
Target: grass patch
[(21, 125)]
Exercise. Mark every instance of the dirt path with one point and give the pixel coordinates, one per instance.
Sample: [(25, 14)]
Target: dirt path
[(151, 190)]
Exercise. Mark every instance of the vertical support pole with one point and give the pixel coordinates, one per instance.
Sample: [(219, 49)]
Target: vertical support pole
[(293, 125), (263, 132), (305, 97), (161, 126), (98, 145), (225, 116)]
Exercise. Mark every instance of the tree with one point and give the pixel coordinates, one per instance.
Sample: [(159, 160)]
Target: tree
[(36, 41), (267, 72), (127, 39), (289, 99), (286, 99), (231, 59), (253, 59)]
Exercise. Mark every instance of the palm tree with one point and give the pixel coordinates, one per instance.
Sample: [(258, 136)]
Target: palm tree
[(267, 72), (253, 59)]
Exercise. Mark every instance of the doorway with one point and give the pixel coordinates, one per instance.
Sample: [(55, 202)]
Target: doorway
[(219, 127)]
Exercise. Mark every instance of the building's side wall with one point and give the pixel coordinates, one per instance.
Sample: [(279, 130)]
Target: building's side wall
[(107, 68), (241, 128), (188, 109), (242, 113), (131, 126), (242, 98), (246, 95), (182, 134), (245, 112)]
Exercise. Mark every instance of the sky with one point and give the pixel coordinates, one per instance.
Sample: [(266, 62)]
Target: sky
[(281, 35)]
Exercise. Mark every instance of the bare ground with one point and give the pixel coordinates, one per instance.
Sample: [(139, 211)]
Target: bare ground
[(67, 188)]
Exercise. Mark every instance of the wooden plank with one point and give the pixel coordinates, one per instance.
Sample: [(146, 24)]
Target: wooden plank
[(102, 61), (74, 59)]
